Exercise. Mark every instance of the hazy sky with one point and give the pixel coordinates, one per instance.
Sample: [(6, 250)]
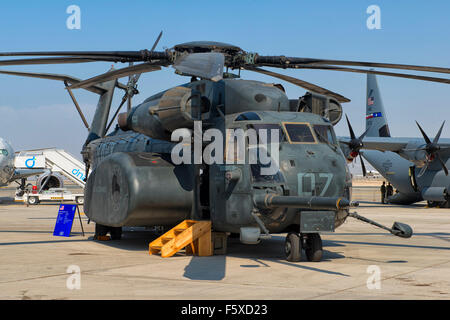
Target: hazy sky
[(39, 113)]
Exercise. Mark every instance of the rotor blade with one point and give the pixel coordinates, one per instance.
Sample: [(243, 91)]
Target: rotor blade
[(52, 76), (427, 140), (133, 79), (363, 166), (442, 164), (382, 73), (352, 134), (126, 56), (58, 60), (156, 42), (300, 83), (119, 73), (287, 61), (207, 65), (438, 135)]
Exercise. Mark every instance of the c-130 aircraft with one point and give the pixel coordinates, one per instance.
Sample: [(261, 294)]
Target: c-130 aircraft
[(416, 167), (134, 181)]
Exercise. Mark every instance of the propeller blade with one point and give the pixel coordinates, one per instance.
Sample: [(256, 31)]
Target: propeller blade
[(352, 134), (364, 134), (306, 85), (442, 164), (119, 73), (289, 61), (363, 165), (206, 65), (424, 168), (382, 73), (427, 140), (438, 135)]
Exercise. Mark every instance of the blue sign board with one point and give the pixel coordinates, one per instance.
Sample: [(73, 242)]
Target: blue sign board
[(64, 222)]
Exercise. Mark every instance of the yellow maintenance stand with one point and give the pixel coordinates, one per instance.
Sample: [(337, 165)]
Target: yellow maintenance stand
[(193, 235)]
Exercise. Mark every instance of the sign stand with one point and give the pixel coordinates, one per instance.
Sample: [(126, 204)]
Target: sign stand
[(64, 221), (79, 217)]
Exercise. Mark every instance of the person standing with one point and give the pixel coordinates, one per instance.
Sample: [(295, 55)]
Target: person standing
[(389, 191), (383, 191)]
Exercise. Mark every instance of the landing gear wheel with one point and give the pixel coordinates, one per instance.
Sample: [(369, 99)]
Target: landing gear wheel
[(293, 247), (79, 200), (313, 248), (101, 230), (33, 200), (116, 233), (432, 204)]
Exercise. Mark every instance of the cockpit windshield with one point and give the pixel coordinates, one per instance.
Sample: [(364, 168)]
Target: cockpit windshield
[(324, 133), (265, 130), (3, 152), (299, 133)]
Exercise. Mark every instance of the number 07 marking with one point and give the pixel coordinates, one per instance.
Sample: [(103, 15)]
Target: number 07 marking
[(312, 179)]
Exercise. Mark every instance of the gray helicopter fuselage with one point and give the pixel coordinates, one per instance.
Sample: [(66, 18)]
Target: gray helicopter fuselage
[(135, 182)]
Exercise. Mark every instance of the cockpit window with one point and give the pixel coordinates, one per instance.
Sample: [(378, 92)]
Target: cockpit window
[(299, 133), (247, 116), (4, 152), (324, 133), (266, 130)]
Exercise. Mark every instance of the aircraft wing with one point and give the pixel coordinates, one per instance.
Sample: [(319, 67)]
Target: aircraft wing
[(380, 143), (384, 144), (25, 173)]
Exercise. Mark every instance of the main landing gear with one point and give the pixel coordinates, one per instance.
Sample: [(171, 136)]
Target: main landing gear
[(115, 232), (310, 242)]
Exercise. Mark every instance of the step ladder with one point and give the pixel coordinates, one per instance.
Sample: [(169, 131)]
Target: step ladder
[(193, 235)]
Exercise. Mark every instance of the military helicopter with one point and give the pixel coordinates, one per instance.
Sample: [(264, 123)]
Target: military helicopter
[(134, 180)]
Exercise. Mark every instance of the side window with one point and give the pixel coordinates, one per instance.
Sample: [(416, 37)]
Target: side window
[(325, 133)]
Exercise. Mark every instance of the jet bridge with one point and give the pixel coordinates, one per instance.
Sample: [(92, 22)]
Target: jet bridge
[(54, 160)]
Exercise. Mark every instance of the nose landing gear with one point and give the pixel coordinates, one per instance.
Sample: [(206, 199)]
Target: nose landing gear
[(310, 242)]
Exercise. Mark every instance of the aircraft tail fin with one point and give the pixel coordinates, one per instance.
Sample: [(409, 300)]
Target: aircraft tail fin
[(376, 119)]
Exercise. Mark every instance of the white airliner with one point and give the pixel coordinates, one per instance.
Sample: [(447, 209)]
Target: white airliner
[(8, 173)]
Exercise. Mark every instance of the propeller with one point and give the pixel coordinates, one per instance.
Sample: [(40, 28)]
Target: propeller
[(432, 149), (355, 144)]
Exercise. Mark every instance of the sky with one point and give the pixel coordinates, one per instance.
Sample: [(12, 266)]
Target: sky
[(38, 113)]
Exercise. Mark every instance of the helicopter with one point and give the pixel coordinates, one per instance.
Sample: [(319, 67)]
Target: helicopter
[(135, 181)]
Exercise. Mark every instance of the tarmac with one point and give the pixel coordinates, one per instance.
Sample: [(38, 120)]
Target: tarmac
[(360, 261)]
